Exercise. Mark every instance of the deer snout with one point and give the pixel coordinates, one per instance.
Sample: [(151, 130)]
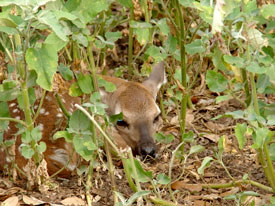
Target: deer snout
[(147, 149)]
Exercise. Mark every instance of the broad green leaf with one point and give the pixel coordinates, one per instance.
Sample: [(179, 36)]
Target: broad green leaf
[(135, 196), (236, 61), (140, 25), (196, 149), (113, 36), (260, 137), (79, 143), (36, 134), (116, 117), (9, 143), (171, 44), (8, 91), (49, 18), (255, 37), (42, 147), (223, 98), (74, 90), (164, 28), (156, 53), (204, 164), (81, 39), (79, 121), (217, 58), (271, 151), (32, 98), (271, 74), (271, 120), (142, 35), (59, 134), (8, 30), (163, 179), (240, 131), (4, 112), (256, 68), (143, 176), (166, 139), (195, 47), (216, 81), (85, 83), (126, 3), (27, 151), (108, 86), (26, 137), (55, 41), (65, 71), (188, 137), (44, 62), (267, 10)]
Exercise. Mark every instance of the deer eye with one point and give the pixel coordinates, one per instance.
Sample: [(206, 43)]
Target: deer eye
[(156, 118), (122, 123)]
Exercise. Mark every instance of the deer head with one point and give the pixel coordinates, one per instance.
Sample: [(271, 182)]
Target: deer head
[(137, 102)]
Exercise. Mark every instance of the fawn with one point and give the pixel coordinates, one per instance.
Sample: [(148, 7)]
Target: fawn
[(137, 102)]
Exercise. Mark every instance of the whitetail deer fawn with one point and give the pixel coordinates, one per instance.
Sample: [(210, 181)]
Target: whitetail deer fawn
[(137, 102)]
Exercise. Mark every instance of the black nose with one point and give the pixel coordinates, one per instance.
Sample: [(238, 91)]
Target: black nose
[(148, 150)]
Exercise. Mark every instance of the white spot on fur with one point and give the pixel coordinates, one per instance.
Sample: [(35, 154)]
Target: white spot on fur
[(42, 111), (18, 117), (117, 109), (59, 115), (8, 159), (12, 104), (47, 113), (61, 156), (59, 110), (15, 111), (35, 107), (63, 100), (48, 98), (40, 127)]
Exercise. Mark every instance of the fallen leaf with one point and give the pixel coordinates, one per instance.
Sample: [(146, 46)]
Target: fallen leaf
[(32, 200), (182, 185), (201, 203), (230, 192), (12, 201), (213, 137), (73, 201)]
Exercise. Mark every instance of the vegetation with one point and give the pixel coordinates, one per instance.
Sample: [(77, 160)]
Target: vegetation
[(227, 45)]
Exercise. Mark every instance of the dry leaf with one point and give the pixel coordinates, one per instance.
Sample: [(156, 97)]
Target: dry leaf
[(73, 201), (182, 185), (201, 203), (12, 201), (31, 200), (213, 137)]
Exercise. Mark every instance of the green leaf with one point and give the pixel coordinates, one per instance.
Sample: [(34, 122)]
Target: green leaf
[(271, 120), (44, 62), (108, 86), (74, 90), (49, 18), (205, 163), (65, 71), (114, 118), (235, 61), (26, 137), (8, 30), (135, 196), (259, 138), (163, 179), (164, 28), (126, 3), (27, 151), (223, 98), (195, 47), (216, 81), (271, 151), (85, 83), (171, 44), (156, 53), (142, 35), (4, 112), (55, 42), (113, 36), (42, 147), (80, 144), (196, 149), (36, 134), (188, 137), (59, 134), (9, 143), (8, 91), (80, 39), (217, 58), (166, 139), (79, 121), (240, 131), (256, 68), (143, 176), (221, 145), (267, 10)]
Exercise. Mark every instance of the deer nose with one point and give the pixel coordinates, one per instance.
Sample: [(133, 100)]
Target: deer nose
[(148, 150)]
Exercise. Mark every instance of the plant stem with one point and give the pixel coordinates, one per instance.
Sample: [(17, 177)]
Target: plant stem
[(159, 201), (66, 113), (13, 120), (39, 106), (130, 42), (128, 175)]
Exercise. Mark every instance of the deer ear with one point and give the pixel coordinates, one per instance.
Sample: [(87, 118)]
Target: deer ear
[(156, 79)]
